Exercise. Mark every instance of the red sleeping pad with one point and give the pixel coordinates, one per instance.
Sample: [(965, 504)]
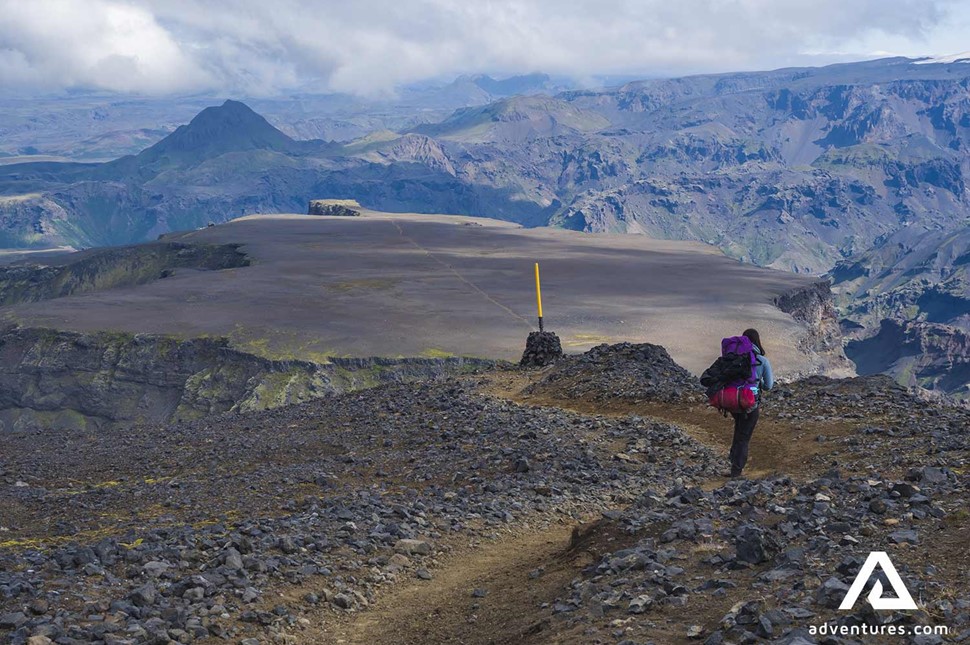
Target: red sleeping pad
[(734, 399)]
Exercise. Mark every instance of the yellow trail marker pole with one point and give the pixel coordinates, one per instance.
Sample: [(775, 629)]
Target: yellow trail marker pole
[(539, 296)]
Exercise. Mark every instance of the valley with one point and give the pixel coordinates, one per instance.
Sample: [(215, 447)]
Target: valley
[(819, 171)]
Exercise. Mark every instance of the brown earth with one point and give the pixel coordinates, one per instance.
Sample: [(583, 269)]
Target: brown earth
[(521, 572)]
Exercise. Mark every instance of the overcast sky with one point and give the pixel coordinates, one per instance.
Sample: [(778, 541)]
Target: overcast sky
[(265, 47)]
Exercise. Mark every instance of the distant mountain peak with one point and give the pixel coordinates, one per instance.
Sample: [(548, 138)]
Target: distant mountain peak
[(523, 83), (230, 127)]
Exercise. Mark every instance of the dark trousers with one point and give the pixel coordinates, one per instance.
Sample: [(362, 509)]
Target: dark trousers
[(743, 429)]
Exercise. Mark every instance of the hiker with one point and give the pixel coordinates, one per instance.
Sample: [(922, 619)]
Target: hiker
[(734, 384), (744, 422)]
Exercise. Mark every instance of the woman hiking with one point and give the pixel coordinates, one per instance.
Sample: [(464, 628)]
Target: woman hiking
[(744, 422)]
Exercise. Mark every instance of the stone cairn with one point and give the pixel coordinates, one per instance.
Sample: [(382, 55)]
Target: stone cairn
[(541, 348)]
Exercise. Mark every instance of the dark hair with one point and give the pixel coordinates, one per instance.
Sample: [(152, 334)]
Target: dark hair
[(754, 337)]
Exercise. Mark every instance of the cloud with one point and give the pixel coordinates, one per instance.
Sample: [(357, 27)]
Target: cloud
[(370, 46), (95, 43)]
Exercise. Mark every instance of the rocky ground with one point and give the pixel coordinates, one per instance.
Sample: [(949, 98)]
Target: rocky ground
[(482, 510), (621, 372)]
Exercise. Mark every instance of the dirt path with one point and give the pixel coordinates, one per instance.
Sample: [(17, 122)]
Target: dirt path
[(778, 446), (444, 610), (517, 575)]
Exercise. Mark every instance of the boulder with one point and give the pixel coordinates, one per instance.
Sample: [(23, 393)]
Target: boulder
[(334, 208)]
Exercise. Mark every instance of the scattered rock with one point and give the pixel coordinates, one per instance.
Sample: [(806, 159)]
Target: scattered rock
[(233, 559), (13, 620), (626, 371), (754, 545), (905, 536), (412, 547), (343, 601), (831, 593), (39, 640), (640, 604), (144, 596), (447, 469)]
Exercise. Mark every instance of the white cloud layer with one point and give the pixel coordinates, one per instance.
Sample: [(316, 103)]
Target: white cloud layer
[(256, 47)]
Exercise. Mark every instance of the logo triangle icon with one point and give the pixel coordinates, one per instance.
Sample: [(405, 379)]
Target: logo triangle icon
[(903, 599)]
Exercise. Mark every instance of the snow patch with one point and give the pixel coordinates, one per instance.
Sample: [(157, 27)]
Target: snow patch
[(963, 57)]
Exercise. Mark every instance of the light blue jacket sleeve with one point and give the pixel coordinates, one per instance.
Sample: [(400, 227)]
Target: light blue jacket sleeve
[(767, 377)]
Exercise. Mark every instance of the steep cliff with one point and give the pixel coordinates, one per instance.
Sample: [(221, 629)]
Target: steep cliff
[(51, 379), (906, 308), (112, 267), (814, 307), (923, 275), (928, 355)]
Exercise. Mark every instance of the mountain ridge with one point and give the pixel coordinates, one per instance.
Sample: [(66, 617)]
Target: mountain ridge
[(596, 156), (799, 169)]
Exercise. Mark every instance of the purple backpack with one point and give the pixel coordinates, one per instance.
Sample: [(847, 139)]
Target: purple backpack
[(741, 345)]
